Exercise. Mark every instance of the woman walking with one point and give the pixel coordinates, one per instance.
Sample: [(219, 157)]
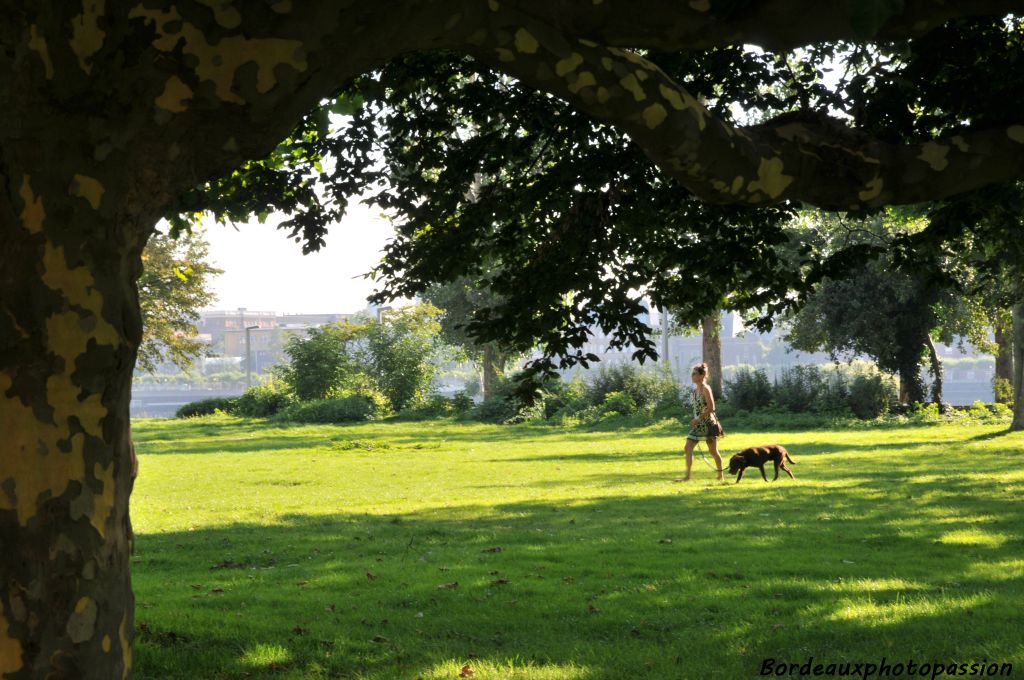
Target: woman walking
[(705, 423)]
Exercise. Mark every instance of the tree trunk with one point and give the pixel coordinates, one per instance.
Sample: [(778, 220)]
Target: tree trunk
[(69, 330), (711, 327), (1004, 360), (1018, 367), (491, 356), (911, 385), (936, 371)]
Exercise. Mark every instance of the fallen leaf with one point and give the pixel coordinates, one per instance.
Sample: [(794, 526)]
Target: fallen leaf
[(217, 590), (500, 582), (665, 540), (379, 638), (495, 549), (592, 609), (467, 672), (371, 576), (776, 626), (299, 630), (449, 586), (568, 579)]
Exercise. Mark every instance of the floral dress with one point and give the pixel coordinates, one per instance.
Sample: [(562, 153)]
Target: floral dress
[(699, 404)]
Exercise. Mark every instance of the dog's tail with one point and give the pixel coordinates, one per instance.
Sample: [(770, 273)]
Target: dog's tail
[(789, 458)]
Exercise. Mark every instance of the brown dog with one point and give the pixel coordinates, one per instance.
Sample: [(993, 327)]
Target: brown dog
[(757, 456)]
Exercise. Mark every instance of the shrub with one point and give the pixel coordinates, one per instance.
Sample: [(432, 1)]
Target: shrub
[(434, 406), (799, 388), (1003, 389), (646, 388), (749, 390), (205, 407), (870, 395), (462, 402), (350, 408), (619, 402), (263, 401), (494, 410)]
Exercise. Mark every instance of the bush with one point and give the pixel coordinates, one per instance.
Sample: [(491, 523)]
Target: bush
[(799, 388), (505, 406), (263, 401), (462, 402), (434, 406), (1003, 389), (619, 402), (646, 388), (870, 396), (206, 407), (347, 409), (749, 390)]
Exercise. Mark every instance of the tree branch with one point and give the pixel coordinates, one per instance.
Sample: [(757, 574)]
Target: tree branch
[(773, 24), (818, 160)]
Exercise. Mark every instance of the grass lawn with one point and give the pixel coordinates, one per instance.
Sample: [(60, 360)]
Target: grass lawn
[(409, 550)]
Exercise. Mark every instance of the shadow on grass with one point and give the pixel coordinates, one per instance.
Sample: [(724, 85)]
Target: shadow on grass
[(701, 584)]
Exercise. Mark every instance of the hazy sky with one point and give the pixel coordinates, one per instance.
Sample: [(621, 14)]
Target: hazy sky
[(265, 270)]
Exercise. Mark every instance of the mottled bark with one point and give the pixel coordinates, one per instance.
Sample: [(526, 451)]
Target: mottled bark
[(711, 341), (1018, 367), (1004, 357), (69, 330)]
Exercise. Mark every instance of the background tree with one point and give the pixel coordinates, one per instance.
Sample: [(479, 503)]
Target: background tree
[(323, 361), (887, 308), (459, 301), (402, 351), (173, 288)]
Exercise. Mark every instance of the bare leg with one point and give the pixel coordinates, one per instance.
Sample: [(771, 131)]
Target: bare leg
[(713, 448), (690, 443)]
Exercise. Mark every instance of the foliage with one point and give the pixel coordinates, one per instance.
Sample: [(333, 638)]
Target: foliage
[(748, 389), (205, 407), (263, 401), (344, 409), (620, 403), (459, 302), (462, 402), (871, 395), (174, 286), (646, 388), (324, 361), (396, 356), (1003, 389), (400, 353)]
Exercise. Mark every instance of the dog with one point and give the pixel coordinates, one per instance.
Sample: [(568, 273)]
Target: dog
[(757, 456)]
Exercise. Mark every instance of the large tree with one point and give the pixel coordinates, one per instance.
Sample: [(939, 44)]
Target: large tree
[(114, 110)]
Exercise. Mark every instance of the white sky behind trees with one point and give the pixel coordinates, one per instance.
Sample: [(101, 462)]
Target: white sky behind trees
[(264, 270)]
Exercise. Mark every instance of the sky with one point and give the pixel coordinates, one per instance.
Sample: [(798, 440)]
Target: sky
[(264, 270)]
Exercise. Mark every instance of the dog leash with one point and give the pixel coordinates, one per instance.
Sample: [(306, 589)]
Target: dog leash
[(705, 459)]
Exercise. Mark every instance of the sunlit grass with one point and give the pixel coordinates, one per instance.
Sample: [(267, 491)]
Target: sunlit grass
[(535, 552)]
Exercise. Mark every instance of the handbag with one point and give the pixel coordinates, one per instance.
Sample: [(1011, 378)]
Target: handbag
[(715, 428)]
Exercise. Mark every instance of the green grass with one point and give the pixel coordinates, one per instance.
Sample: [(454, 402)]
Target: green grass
[(318, 551)]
